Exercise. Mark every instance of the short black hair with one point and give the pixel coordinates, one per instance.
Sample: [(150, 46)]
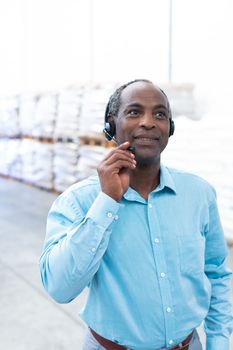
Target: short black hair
[(114, 101)]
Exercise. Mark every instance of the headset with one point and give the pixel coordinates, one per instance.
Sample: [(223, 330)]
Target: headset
[(109, 126), (110, 129)]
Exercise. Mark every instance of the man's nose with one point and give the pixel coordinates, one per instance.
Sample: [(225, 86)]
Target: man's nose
[(148, 121)]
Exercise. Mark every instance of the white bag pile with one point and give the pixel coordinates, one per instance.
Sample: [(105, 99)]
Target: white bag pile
[(37, 158), (3, 159), (27, 112), (37, 115), (183, 101), (3, 150), (45, 116), (10, 162), (60, 119), (95, 99), (89, 159), (9, 118), (14, 161), (68, 114), (65, 164)]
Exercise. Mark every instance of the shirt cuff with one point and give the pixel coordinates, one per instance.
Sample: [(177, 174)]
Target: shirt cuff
[(104, 210), (217, 343)]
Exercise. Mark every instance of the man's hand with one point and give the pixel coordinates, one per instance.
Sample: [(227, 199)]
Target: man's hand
[(113, 171)]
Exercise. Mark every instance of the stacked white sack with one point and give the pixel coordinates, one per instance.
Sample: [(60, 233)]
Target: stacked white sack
[(27, 112), (10, 161), (37, 158), (45, 116), (89, 159), (68, 114), (95, 99), (9, 116), (37, 115), (65, 164)]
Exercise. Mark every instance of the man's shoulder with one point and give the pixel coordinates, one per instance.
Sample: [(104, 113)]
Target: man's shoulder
[(183, 174), (76, 200), (84, 185), (82, 191), (190, 181), (88, 185)]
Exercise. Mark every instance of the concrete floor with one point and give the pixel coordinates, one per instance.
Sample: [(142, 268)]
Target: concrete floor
[(30, 320)]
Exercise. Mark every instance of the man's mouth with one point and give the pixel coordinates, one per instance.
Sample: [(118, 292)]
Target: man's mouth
[(145, 139)]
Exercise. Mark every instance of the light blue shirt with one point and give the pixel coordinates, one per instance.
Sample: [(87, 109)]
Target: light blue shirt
[(155, 268)]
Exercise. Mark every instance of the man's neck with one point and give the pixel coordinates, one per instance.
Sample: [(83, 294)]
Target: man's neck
[(145, 179)]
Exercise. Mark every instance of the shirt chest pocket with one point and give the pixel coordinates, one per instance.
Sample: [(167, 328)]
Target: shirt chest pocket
[(191, 254)]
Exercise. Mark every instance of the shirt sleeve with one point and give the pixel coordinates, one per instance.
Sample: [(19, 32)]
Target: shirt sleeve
[(75, 244), (219, 322)]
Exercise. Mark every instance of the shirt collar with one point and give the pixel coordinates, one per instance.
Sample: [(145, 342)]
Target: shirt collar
[(132, 195), (166, 181)]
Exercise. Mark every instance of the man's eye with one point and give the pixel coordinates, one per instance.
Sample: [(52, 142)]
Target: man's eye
[(160, 115), (133, 112)]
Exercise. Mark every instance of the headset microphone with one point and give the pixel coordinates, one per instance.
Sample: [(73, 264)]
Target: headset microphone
[(131, 149), (109, 137)]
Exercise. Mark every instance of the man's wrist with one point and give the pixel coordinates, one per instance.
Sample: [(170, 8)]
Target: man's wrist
[(114, 197), (103, 210)]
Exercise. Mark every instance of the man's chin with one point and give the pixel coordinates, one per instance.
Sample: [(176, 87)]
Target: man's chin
[(145, 161)]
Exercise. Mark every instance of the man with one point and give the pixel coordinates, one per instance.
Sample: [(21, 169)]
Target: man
[(146, 239)]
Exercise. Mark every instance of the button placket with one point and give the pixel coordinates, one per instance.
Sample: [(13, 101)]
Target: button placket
[(161, 267)]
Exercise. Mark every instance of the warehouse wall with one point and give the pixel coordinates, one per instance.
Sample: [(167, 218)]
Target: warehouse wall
[(57, 43)]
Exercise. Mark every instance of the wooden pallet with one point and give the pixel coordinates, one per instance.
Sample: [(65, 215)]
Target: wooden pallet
[(66, 139), (96, 140), (38, 139)]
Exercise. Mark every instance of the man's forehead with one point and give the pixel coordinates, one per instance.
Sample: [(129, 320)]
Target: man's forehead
[(138, 90)]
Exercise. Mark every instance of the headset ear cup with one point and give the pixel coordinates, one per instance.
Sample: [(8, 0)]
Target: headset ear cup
[(172, 127), (109, 130), (109, 126), (112, 128)]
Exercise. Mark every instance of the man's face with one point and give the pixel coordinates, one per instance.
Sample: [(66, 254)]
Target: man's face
[(143, 120)]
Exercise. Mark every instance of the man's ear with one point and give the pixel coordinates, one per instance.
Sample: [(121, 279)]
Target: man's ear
[(110, 118)]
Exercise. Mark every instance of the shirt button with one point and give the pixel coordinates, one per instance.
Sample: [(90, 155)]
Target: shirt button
[(170, 342), (169, 309), (162, 274), (150, 205), (93, 250), (156, 240), (116, 217), (109, 214)]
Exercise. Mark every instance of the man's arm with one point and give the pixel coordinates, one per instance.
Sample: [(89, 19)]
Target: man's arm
[(76, 241), (75, 244), (219, 321)]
